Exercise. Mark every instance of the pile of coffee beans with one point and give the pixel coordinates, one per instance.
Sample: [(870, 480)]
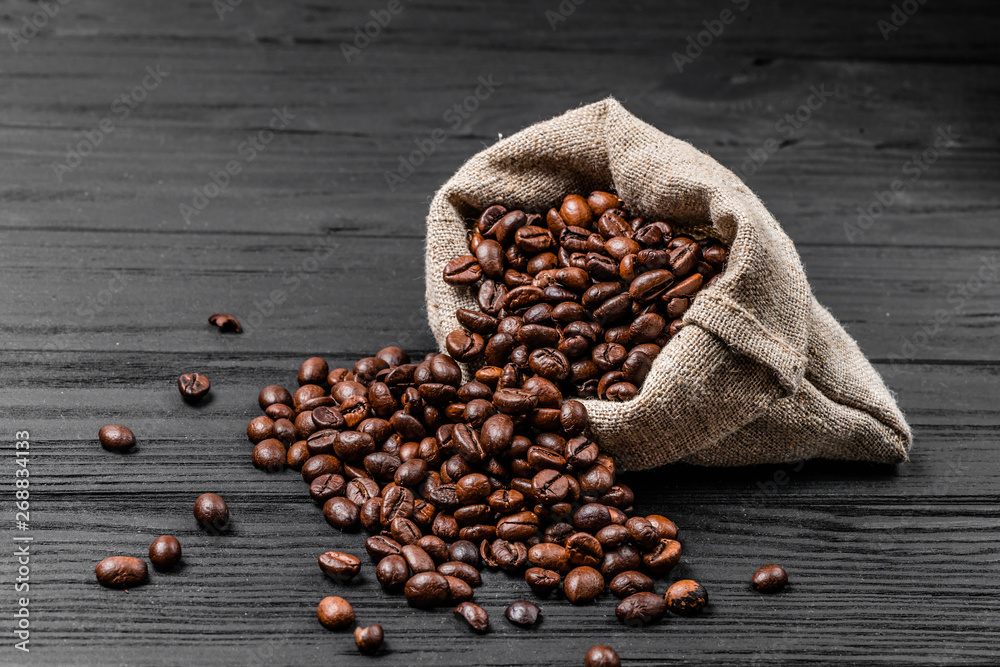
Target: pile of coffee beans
[(584, 298), (449, 477)]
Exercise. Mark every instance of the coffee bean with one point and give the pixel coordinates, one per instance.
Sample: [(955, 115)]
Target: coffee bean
[(417, 559), (427, 589), (640, 609), (165, 552), (369, 640), (663, 557), (297, 455), (464, 345), (541, 580), (274, 394), (474, 615), (518, 527), (121, 572), (770, 579), (321, 464), (269, 455), (458, 590), (260, 428), (464, 270), (392, 573), (602, 656), (193, 386), (225, 323), (465, 552), (508, 555), (211, 512), (339, 566), (622, 559), (642, 532), (523, 613), (583, 584), (664, 526), (463, 571), (117, 438), (629, 583), (335, 613), (584, 549), (341, 513), (686, 597)]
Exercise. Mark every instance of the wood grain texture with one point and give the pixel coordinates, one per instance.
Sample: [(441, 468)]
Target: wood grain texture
[(107, 288)]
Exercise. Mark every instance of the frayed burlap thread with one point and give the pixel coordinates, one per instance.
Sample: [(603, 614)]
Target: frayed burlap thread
[(760, 373)]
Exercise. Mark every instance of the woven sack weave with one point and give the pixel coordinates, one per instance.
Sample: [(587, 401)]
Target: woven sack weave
[(760, 373)]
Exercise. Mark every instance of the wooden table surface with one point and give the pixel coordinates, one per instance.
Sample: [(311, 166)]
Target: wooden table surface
[(108, 281)]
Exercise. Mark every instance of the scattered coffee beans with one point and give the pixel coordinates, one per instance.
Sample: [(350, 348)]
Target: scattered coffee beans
[(770, 579), (686, 597), (225, 323), (193, 386), (165, 552), (584, 298), (369, 640), (523, 613), (602, 656), (474, 615), (335, 613), (339, 566), (116, 438), (211, 512), (121, 572)]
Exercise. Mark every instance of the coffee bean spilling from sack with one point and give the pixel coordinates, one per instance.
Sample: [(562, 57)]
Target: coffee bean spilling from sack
[(584, 298), (448, 477)]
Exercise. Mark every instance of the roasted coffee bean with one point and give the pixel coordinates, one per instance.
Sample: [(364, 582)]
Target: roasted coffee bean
[(458, 590), (463, 571), (269, 455), (193, 386), (380, 546), (518, 527), (225, 323), (769, 579), (651, 285), (591, 517), (397, 502), (335, 613), (370, 515), (327, 486), (465, 552), (584, 549), (259, 428), (664, 555), (686, 597), (550, 556), (297, 455), (550, 487), (427, 589), (523, 613), (392, 573), (613, 536), (417, 559), (369, 640), (165, 552), (686, 287), (464, 270), (508, 555), (411, 473), (285, 431), (473, 489), (683, 259), (339, 566), (629, 583), (542, 581), (361, 489), (474, 615), (280, 411), (119, 438), (596, 480), (664, 526), (642, 532), (272, 394), (341, 513), (121, 572), (601, 656), (583, 584), (211, 512), (464, 345), (640, 609), (321, 464)]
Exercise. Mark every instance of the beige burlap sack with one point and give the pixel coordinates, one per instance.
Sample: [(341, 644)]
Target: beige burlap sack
[(760, 373)]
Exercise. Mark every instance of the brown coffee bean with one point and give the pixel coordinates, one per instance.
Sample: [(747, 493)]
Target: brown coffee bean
[(417, 559), (259, 428), (335, 613), (341, 513), (602, 656), (523, 613), (211, 512), (339, 566), (624, 558), (225, 323), (664, 526), (550, 556), (640, 609), (369, 640), (297, 455), (119, 438), (542, 581), (629, 583), (770, 579), (584, 549), (427, 589), (269, 455), (664, 555), (508, 555), (458, 590), (380, 546), (121, 572), (193, 386), (686, 597), (518, 527), (474, 615), (642, 532), (321, 464), (392, 573), (464, 270), (583, 584), (463, 571), (165, 552), (651, 285)]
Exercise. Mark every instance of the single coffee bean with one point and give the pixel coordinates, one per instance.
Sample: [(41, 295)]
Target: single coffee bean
[(642, 532), (121, 572), (193, 386), (769, 579), (417, 559), (640, 609), (508, 555), (663, 557), (541, 580), (474, 615), (392, 573), (116, 438), (550, 556), (583, 584), (427, 589), (584, 549), (321, 464), (664, 526), (686, 597), (523, 613), (380, 546), (339, 566), (335, 613), (465, 552), (602, 656), (624, 558), (225, 323), (272, 394), (629, 583), (341, 513), (458, 590), (613, 536), (518, 527), (369, 640), (269, 455), (211, 512), (463, 571), (464, 270), (297, 455), (165, 552), (260, 428)]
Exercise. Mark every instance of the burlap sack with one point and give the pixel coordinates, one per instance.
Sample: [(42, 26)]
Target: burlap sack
[(761, 372)]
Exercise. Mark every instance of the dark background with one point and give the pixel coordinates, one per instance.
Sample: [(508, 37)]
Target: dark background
[(106, 288)]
